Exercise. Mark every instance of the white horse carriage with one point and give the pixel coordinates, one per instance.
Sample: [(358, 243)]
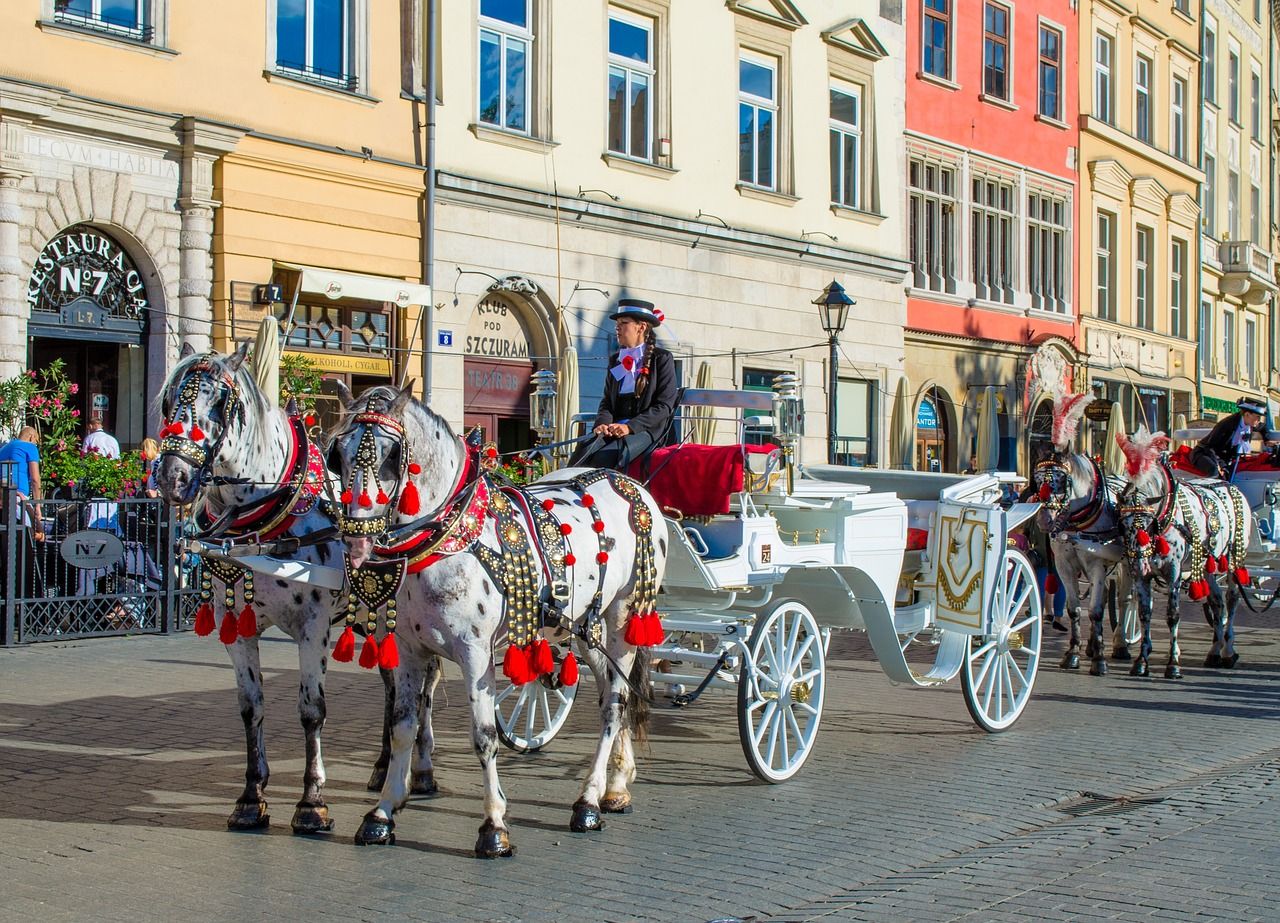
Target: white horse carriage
[(752, 592)]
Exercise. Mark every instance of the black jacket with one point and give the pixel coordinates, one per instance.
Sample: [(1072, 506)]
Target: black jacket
[(1219, 439), (652, 411)]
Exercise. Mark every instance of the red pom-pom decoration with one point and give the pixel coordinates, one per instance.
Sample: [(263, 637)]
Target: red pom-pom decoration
[(369, 653), (1211, 565), (382, 496), (565, 528), (1051, 583), (346, 496), (1044, 491), (197, 434), (415, 468), (247, 624), (491, 452), (1162, 545), (365, 501), (598, 525), (205, 620), (569, 670), (540, 659), (1242, 576), (1144, 539), (229, 631), (570, 559), (1194, 591), (1222, 564), (602, 557), (409, 503), (548, 505), (309, 419), (388, 653), (515, 666), (345, 649), (588, 500)]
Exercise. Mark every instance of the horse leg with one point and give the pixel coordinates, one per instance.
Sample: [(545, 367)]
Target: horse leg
[(476, 661), (423, 780), (1213, 616), (613, 714), (251, 807), (1229, 655), (1172, 669), (1143, 588), (1120, 622), (1071, 657), (622, 760), (1097, 609), (312, 814), (379, 775), (379, 825)]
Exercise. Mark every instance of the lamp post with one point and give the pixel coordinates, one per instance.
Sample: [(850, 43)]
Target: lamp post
[(833, 309)]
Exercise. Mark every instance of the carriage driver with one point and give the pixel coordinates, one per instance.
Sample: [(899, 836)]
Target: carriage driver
[(1216, 454), (639, 391)]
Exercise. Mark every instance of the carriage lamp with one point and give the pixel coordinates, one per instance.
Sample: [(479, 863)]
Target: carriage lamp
[(833, 310), (788, 419), (542, 405)]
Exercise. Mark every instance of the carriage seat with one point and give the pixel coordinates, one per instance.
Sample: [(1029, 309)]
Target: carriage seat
[(1258, 462), (696, 480)]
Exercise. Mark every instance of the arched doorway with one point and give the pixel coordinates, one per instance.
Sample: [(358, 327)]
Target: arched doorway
[(496, 371), (88, 303), (933, 431)]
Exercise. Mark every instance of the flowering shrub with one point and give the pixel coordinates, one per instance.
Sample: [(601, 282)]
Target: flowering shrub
[(300, 382), (523, 469)]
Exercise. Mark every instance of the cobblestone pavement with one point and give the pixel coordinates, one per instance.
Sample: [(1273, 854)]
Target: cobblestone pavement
[(120, 759)]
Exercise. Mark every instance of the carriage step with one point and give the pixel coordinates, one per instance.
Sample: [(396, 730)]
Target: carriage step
[(677, 654)]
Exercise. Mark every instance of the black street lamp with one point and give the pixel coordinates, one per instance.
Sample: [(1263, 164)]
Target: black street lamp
[(833, 309)]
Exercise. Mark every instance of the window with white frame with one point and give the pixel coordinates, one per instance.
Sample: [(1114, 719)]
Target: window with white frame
[(932, 224), (935, 46), (1206, 338), (505, 60), (1178, 288), (757, 120), (845, 137), (1047, 250), (1104, 248), (995, 51), (1209, 63), (1233, 205), (1178, 118), (1103, 58), (1208, 195), (1142, 98), (1255, 104), (314, 41), (1182, 6), (993, 237), (1050, 73), (1233, 84), (128, 18), (630, 90), (1255, 213), (1229, 345), (1143, 275), (1250, 351)]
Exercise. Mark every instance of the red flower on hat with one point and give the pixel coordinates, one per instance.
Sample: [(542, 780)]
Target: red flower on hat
[(657, 312)]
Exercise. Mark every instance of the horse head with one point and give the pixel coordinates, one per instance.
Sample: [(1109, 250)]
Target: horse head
[(203, 405), (397, 463), (1146, 495), (1057, 488)]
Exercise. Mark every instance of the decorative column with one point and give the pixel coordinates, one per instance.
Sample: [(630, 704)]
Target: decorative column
[(13, 285)]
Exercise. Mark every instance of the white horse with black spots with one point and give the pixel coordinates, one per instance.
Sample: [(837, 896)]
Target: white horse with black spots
[(580, 551), (1176, 531), (251, 467)]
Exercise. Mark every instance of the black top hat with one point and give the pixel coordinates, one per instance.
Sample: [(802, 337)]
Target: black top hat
[(638, 309), (1252, 405)]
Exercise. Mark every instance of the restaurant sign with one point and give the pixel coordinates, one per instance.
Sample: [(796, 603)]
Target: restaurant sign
[(86, 278)]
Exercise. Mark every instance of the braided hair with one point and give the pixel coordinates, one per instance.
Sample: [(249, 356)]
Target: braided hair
[(650, 342)]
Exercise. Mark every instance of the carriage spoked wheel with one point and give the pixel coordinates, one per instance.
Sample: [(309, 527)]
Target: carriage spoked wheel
[(780, 692), (1000, 668), (529, 716)]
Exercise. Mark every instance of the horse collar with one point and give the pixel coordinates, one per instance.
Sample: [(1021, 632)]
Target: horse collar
[(1087, 515)]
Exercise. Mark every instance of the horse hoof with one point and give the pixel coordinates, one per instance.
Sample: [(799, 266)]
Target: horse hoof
[(1098, 668), (423, 782), (311, 818), (1172, 672), (1229, 662), (585, 817), (493, 843), (377, 779), (616, 804), (374, 831), (1139, 668), (1213, 660), (249, 816), (1071, 661), (1121, 653)]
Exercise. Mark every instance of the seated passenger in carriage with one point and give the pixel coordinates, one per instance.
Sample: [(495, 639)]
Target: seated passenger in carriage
[(639, 392), (1216, 454)]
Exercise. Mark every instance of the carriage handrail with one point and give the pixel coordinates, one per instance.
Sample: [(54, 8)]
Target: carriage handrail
[(728, 398)]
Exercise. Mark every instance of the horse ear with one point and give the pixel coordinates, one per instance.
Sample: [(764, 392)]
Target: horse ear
[(344, 393), (237, 358), (402, 400), (187, 350)]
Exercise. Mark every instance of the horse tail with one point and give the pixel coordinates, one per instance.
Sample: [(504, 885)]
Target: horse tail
[(640, 695)]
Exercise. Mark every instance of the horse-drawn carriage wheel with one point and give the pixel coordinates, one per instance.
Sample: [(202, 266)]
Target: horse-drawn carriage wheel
[(1000, 668), (529, 716), (780, 692)]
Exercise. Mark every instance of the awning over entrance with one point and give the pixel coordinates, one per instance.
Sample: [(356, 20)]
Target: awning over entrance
[(334, 284)]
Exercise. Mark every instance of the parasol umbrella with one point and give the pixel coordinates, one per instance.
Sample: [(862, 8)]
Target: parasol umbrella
[(988, 432), (567, 397), (902, 427), (1179, 424), (702, 428), (266, 359), (1112, 455)]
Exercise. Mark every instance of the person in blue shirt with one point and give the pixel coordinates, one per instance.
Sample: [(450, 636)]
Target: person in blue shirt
[(24, 473)]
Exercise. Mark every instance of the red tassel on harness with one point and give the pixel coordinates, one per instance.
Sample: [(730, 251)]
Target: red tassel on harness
[(1162, 545), (382, 496), (365, 501), (1044, 491), (569, 670), (409, 503), (247, 624), (1222, 564), (1211, 565), (1242, 576), (346, 496), (1195, 591), (637, 634), (173, 429), (345, 649), (228, 633), (369, 653), (388, 653), (656, 634), (1051, 583), (515, 666), (540, 660), (1143, 538), (205, 621), (197, 434)]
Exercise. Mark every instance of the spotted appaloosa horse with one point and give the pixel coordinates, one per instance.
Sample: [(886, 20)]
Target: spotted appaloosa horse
[(463, 541), (1179, 530), (250, 465)]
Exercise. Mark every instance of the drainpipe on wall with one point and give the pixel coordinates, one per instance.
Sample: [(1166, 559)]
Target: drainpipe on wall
[(1198, 397), (429, 204)]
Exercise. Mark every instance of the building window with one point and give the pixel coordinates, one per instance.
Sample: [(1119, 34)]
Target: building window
[(1142, 278), (1178, 288), (845, 132), (758, 380), (1257, 10), (506, 43), (1233, 85), (993, 236), (1255, 214), (121, 17), (1178, 118), (630, 92), (855, 421), (1050, 73), (1250, 347), (757, 121), (1206, 338), (1104, 247), (995, 51), (1229, 345), (1142, 99), (1047, 251), (1208, 199), (1233, 205), (1255, 105), (1182, 6), (313, 40), (936, 45), (932, 225), (1209, 70), (1102, 98)]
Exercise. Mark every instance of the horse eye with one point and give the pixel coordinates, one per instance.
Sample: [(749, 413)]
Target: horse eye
[(390, 465)]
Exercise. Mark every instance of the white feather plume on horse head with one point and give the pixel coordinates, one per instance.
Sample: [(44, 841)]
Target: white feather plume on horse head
[(1142, 451), (1067, 411)]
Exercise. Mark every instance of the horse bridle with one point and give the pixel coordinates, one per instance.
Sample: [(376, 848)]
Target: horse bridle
[(190, 443), (365, 461)]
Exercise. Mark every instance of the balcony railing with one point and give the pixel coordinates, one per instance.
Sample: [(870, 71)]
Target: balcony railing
[(108, 25), (1245, 256), (321, 77)]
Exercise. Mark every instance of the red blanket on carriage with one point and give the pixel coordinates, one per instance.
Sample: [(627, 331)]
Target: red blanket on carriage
[(697, 480), (1180, 460)]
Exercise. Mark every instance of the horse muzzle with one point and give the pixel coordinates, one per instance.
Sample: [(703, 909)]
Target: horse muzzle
[(359, 549), (177, 481)]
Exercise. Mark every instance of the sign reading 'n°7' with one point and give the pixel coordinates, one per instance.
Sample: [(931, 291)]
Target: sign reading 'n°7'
[(83, 263)]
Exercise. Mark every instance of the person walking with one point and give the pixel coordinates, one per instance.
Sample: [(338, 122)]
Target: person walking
[(99, 440), (23, 454)]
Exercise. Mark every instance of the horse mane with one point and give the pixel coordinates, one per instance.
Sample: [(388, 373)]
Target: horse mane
[(384, 396), (1067, 411), (1141, 452)]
